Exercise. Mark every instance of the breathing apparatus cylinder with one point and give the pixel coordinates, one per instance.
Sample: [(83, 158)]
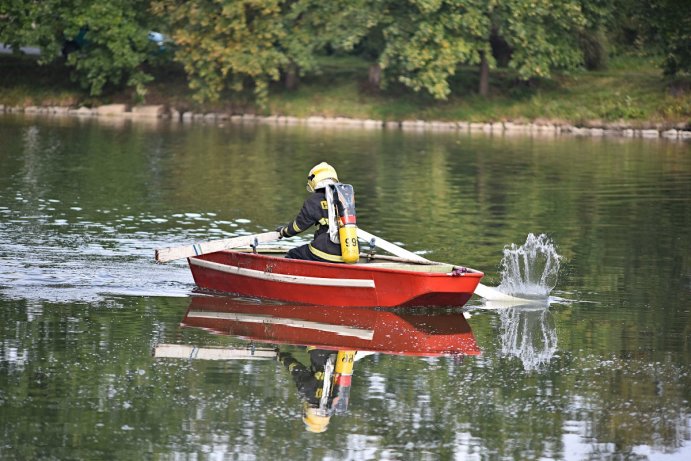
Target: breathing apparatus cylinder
[(347, 227), (349, 244)]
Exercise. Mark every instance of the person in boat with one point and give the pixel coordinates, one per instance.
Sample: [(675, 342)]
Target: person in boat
[(315, 212)]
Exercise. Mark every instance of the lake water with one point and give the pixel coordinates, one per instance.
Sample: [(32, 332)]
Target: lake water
[(601, 370)]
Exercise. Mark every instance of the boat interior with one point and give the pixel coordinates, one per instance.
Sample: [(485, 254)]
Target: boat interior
[(383, 261)]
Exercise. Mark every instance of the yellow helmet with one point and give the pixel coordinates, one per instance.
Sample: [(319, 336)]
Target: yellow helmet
[(320, 173), (315, 420)]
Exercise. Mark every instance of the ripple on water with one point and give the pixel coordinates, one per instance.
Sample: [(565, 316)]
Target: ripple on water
[(69, 254), (57, 258)]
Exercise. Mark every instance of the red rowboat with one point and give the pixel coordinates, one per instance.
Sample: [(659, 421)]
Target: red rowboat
[(392, 283), (416, 333)]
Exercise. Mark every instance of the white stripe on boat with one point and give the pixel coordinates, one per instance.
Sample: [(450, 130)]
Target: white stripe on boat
[(340, 330), (320, 281)]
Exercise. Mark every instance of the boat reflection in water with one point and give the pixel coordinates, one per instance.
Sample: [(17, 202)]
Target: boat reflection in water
[(335, 338)]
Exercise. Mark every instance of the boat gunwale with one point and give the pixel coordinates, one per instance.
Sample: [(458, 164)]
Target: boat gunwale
[(282, 277), (359, 266)]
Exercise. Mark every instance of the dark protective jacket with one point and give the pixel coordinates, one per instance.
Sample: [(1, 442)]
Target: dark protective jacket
[(315, 212)]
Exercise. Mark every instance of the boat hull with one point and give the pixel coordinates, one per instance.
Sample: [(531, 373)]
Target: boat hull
[(316, 283)]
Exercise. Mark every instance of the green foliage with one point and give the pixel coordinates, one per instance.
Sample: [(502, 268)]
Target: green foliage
[(620, 107), (343, 24), (15, 21), (670, 26), (419, 43), (432, 47), (661, 28), (425, 41), (543, 37), (114, 48), (224, 45)]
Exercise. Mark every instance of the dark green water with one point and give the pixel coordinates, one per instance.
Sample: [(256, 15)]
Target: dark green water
[(602, 372)]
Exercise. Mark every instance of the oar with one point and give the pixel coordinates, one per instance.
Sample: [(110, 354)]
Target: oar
[(489, 293), (184, 351), (390, 247), (169, 254)]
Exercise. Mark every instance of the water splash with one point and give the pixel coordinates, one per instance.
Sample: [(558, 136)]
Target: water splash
[(530, 270)]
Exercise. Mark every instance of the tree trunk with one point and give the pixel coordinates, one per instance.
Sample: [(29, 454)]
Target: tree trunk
[(484, 75), (374, 75), (291, 76)]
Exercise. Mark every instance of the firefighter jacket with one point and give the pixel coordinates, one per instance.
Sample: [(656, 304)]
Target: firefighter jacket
[(315, 212)]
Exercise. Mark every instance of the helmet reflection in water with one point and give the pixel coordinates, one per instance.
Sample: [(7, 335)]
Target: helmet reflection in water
[(324, 385), (315, 419)]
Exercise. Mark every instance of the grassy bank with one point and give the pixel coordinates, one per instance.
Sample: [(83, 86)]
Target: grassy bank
[(630, 92)]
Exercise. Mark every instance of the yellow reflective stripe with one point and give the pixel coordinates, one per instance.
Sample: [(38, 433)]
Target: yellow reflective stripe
[(324, 221), (326, 256), (296, 228)]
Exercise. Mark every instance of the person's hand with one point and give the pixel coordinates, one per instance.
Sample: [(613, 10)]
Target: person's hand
[(279, 229)]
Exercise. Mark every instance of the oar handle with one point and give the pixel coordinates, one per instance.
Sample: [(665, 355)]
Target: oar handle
[(170, 254)]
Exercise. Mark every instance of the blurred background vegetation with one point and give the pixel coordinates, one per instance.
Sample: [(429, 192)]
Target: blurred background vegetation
[(582, 61)]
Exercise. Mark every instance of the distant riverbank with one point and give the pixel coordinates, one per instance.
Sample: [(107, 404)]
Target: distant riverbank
[(630, 99), (147, 113)]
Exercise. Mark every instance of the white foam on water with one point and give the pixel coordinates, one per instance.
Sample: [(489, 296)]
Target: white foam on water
[(530, 270)]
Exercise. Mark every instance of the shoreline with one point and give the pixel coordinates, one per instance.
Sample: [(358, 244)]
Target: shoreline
[(156, 112)]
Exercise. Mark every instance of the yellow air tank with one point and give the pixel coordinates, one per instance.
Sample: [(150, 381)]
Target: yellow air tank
[(350, 250), (347, 227)]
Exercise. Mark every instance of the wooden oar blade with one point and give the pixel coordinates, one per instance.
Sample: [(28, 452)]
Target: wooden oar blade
[(169, 254), (492, 294)]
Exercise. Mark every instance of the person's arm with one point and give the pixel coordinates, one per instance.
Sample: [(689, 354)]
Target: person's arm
[(308, 216)]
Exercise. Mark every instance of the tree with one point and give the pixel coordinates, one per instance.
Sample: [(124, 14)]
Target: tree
[(353, 26), (231, 45), (113, 35), (15, 23), (425, 41), (542, 35), (667, 24)]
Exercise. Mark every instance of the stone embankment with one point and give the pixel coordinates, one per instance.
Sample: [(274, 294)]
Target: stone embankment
[(160, 112)]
